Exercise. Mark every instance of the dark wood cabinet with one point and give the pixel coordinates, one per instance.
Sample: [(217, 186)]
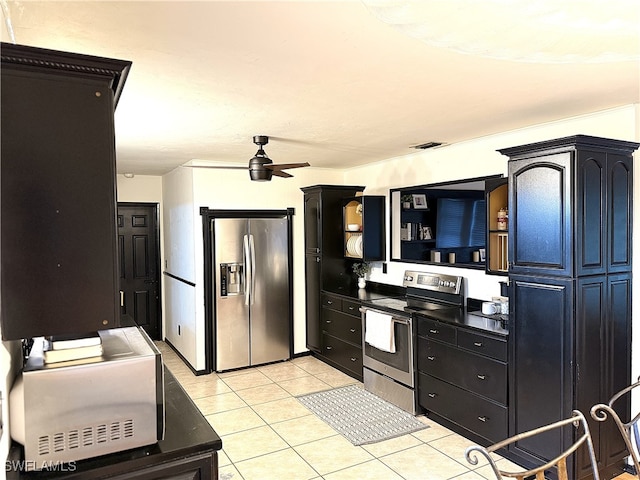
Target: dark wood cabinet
[(59, 258), (364, 232), (342, 334), (325, 264), (570, 202), (570, 207), (462, 378)]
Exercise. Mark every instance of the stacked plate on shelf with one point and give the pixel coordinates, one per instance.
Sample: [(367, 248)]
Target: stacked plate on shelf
[(354, 246)]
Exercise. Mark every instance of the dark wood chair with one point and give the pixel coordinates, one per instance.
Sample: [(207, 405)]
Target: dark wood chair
[(601, 412), (559, 463)]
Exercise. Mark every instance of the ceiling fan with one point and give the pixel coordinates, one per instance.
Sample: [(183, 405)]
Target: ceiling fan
[(261, 167)]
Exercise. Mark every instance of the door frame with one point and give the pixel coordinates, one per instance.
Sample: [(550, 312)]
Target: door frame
[(208, 215), (156, 207)]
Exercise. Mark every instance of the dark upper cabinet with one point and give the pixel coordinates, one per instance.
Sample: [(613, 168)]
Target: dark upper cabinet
[(570, 206), (325, 265), (59, 269), (364, 232)]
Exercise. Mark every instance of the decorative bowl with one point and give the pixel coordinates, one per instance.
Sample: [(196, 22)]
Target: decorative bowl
[(353, 227)]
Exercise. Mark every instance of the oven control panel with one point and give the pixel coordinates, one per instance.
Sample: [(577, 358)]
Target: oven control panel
[(438, 282)]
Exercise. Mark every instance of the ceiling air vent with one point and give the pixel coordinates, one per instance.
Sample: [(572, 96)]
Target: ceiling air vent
[(427, 145)]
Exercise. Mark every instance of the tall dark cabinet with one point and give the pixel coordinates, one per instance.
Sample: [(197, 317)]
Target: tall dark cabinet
[(59, 271), (325, 263), (570, 224)]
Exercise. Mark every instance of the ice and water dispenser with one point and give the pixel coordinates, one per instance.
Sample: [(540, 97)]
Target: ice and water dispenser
[(231, 279)]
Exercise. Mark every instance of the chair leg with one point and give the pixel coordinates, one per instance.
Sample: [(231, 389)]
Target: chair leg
[(562, 469)]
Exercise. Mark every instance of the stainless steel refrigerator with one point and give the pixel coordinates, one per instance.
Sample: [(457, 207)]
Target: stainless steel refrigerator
[(252, 301)]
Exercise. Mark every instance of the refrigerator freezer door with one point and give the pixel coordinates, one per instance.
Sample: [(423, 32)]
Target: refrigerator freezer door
[(270, 330), (231, 313)]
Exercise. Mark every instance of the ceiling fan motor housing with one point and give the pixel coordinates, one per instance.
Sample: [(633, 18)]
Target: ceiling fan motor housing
[(257, 170)]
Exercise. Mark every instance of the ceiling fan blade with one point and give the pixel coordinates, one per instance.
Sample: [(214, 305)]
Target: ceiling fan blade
[(283, 166), (216, 166), (282, 174)]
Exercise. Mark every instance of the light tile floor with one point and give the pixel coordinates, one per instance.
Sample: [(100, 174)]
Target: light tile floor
[(267, 434)]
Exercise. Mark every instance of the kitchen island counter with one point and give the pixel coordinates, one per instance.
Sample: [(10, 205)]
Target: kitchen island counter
[(188, 450)]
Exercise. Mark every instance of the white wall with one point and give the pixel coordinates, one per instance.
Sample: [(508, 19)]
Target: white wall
[(180, 326)]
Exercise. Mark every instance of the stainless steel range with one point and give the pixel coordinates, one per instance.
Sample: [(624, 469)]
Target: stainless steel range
[(389, 336)]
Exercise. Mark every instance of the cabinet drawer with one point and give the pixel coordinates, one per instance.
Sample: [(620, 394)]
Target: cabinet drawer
[(331, 302), (482, 344), (438, 330), (470, 411), (480, 375), (342, 353), (350, 307), (343, 326)]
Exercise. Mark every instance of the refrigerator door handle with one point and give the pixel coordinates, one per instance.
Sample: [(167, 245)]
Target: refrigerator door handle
[(248, 270), (252, 267)]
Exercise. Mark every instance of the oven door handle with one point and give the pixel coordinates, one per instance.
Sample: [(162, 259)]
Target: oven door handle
[(403, 321)]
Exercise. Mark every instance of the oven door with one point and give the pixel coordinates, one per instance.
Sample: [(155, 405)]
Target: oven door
[(399, 365)]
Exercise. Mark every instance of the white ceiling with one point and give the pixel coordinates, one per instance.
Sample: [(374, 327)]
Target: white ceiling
[(329, 82)]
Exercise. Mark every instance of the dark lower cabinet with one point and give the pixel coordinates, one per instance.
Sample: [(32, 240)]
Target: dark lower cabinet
[(195, 467), (462, 378), (342, 334), (541, 378), (570, 254), (474, 414)]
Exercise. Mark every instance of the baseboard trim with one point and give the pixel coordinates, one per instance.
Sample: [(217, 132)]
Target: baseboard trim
[(186, 362)]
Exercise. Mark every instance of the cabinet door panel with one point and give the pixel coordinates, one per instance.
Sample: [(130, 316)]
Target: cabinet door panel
[(345, 354), (481, 416), (491, 347), (620, 210), (477, 374), (312, 288), (590, 214), (541, 375), (436, 330), (312, 223), (59, 240), (540, 221), (345, 327)]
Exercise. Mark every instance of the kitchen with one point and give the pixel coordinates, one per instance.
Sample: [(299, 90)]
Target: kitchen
[(185, 191)]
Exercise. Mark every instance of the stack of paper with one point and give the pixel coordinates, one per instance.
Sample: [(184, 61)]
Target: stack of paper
[(74, 347)]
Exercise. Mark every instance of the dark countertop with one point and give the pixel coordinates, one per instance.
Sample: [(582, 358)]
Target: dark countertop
[(461, 317), (473, 320), (372, 291), (187, 432)]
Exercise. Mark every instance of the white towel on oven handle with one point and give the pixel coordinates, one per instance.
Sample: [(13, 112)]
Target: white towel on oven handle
[(379, 331)]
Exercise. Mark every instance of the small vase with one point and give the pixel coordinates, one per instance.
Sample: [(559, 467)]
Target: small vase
[(362, 282)]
